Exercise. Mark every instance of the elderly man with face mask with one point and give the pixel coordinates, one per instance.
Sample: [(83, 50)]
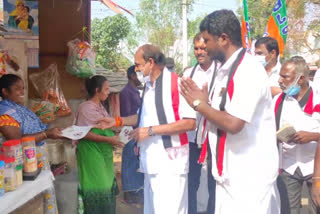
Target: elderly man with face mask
[(267, 52), (297, 107), (163, 120)]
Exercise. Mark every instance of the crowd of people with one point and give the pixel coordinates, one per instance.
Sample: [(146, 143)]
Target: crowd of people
[(224, 113), (240, 102)]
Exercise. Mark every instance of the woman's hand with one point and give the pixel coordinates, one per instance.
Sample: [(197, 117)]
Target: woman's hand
[(54, 133), (115, 142), (106, 123)]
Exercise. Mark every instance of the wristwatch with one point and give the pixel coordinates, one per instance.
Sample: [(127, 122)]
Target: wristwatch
[(150, 132), (196, 103)]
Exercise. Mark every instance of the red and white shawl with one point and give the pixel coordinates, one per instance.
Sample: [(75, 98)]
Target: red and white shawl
[(221, 134), (168, 106)]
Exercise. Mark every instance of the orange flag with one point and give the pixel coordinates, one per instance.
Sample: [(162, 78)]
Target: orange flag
[(245, 28), (277, 26)]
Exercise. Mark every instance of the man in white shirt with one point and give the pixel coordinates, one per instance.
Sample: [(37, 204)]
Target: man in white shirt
[(240, 122), (202, 73), (267, 50), (298, 108), (315, 84), (163, 121)]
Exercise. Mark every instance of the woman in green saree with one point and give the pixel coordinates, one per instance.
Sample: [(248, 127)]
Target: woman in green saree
[(98, 186)]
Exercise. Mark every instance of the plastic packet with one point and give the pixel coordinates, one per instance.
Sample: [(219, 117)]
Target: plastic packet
[(124, 134), (81, 59), (45, 110), (47, 85)]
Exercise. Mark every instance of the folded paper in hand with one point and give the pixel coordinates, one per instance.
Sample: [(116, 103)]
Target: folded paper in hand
[(124, 134), (76, 132), (285, 133)]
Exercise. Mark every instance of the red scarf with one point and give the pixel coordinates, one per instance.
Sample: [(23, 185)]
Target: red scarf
[(222, 135)]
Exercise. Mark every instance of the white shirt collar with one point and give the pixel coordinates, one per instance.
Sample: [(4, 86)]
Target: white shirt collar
[(276, 69), (225, 68), (149, 84), (209, 69)]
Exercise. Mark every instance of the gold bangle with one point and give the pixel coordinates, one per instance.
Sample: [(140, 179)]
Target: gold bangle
[(315, 178), (316, 184)]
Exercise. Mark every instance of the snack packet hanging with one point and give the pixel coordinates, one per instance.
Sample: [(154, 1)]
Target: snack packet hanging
[(47, 85), (81, 59)]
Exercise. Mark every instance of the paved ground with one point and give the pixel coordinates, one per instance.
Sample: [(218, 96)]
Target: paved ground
[(66, 190), (123, 208)]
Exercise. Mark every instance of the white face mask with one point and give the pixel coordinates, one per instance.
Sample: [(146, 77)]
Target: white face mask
[(262, 60), (141, 78)]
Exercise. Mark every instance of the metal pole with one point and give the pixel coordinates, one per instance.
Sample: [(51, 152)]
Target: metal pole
[(184, 33)]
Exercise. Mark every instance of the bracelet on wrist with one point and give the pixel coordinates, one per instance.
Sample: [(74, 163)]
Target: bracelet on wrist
[(45, 135), (316, 183), (316, 178), (119, 121)]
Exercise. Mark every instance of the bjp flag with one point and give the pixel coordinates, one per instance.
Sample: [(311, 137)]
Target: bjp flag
[(245, 28), (277, 26)]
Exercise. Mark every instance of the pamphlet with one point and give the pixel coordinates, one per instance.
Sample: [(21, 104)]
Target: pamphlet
[(285, 133), (125, 134), (76, 132)]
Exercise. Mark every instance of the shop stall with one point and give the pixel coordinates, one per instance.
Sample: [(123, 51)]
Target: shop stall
[(34, 38)]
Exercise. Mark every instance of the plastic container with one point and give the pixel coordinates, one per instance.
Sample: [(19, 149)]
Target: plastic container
[(19, 175), (29, 155), (2, 190), (1, 139), (50, 203), (10, 177), (13, 148), (42, 156)]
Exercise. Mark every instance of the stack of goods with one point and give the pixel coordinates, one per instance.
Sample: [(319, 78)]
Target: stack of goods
[(22, 160), (18, 162), (48, 87), (81, 59), (45, 110)]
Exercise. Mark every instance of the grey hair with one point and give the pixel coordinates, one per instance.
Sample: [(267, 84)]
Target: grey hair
[(301, 66), (153, 52)]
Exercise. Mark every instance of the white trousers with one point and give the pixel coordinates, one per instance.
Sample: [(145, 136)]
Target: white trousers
[(248, 202), (165, 194)]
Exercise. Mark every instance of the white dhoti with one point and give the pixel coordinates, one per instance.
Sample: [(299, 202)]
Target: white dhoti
[(165, 194), (247, 200)]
